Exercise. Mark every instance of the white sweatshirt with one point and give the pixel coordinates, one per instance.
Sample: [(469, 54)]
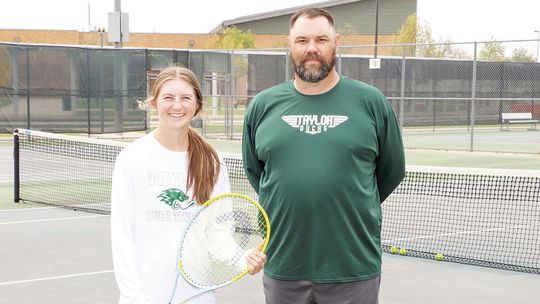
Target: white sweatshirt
[(150, 208)]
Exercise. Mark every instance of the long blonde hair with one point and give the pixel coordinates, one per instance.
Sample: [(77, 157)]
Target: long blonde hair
[(203, 160)]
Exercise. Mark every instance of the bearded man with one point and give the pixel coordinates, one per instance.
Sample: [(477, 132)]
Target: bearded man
[(323, 152)]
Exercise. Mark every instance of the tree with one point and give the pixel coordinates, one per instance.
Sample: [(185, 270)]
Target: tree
[(522, 55), (458, 53), (492, 51), (414, 31), (232, 38), (407, 35)]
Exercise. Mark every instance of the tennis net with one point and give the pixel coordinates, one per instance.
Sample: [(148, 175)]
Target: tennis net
[(486, 217)]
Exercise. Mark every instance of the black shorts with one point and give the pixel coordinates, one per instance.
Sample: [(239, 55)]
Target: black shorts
[(306, 292)]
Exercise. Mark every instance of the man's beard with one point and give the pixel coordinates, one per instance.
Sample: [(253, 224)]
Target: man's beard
[(313, 74)]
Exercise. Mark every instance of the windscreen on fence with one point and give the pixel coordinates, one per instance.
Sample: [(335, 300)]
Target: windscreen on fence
[(95, 90), (68, 89)]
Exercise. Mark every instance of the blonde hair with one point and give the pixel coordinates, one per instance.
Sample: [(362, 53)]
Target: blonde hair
[(203, 160)]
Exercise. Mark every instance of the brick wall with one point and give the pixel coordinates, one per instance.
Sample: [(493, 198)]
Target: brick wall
[(155, 40), (40, 36)]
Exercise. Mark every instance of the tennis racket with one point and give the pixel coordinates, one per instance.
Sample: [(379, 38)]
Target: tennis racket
[(217, 240)]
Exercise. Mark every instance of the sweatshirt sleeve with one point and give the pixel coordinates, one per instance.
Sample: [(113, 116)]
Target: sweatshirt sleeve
[(122, 237), (252, 166), (390, 167)]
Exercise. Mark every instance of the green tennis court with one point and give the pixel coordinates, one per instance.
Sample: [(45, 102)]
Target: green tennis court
[(515, 140), (441, 158)]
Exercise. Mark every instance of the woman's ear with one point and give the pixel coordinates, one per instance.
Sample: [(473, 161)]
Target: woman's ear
[(153, 103)]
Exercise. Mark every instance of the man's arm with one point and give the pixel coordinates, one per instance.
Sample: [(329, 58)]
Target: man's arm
[(252, 166), (390, 168)]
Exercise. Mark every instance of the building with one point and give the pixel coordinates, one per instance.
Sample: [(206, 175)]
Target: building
[(355, 21), (353, 17)]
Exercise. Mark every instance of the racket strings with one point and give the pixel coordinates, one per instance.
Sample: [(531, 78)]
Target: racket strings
[(217, 242)]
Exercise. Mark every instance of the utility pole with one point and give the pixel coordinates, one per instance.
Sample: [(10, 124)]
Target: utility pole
[(376, 26), (537, 43), (89, 23), (117, 9)]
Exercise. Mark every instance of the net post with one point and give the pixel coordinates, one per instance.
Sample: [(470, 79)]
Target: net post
[(16, 179)]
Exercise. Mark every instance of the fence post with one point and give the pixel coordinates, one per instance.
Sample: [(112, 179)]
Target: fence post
[(287, 67), (88, 91), (339, 60), (402, 93), (100, 90), (228, 99), (473, 96), (28, 88)]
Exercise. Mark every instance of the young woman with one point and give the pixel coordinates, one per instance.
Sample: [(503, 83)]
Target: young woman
[(159, 182)]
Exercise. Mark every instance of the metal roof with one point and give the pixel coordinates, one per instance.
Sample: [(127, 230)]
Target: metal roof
[(278, 13)]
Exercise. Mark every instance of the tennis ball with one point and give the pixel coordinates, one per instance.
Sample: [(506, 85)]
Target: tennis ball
[(439, 257), (403, 251), (393, 250)]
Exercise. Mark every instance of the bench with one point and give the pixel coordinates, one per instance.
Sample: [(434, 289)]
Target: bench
[(518, 118)]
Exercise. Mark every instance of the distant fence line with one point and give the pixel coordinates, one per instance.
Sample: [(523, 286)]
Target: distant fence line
[(94, 90)]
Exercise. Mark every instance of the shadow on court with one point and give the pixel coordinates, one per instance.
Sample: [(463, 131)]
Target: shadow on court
[(55, 255)]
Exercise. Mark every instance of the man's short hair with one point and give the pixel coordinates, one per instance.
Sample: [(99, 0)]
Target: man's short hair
[(311, 13)]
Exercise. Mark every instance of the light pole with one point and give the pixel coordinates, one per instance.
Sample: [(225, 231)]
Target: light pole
[(376, 27), (118, 9), (537, 43)]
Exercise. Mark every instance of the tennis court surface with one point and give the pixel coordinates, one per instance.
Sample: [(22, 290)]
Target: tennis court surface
[(475, 217), (56, 255)]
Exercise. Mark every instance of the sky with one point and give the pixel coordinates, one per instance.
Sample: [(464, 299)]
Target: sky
[(458, 20)]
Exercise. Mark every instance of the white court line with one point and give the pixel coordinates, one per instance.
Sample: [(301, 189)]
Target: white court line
[(57, 277), (28, 209), (55, 219)]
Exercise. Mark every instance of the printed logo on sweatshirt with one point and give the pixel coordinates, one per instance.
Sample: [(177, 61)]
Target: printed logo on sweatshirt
[(314, 124), (176, 199), (163, 178)]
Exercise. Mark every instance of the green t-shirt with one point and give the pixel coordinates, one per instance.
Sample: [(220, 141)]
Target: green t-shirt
[(322, 165)]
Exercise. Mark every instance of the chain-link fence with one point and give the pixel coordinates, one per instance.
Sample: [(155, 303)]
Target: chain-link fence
[(456, 96), (68, 89), (446, 96)]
